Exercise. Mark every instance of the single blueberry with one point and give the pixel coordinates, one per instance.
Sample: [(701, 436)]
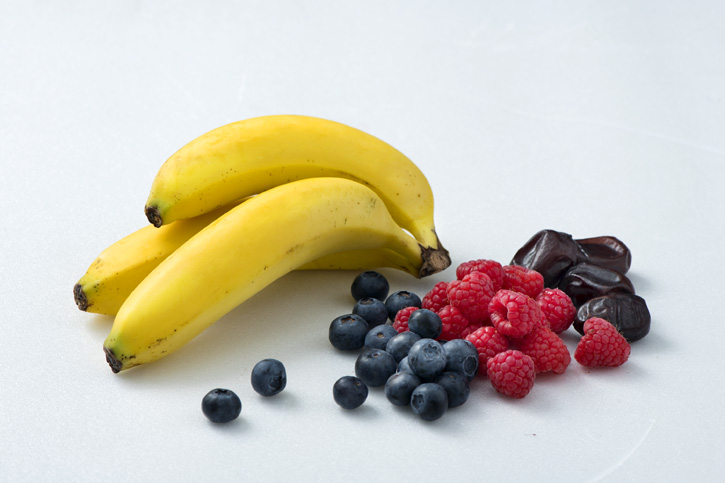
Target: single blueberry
[(221, 405), (400, 300), (429, 401), (399, 388), (372, 310), (269, 377), (425, 323), (370, 284), (456, 385), (374, 367), (462, 356), (378, 337), (400, 344), (347, 332), (427, 358), (349, 392)]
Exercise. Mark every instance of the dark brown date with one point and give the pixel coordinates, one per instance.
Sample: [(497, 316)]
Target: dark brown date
[(550, 253), (585, 281), (607, 251), (627, 312)]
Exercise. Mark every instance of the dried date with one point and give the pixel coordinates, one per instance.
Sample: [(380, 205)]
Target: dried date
[(585, 281), (627, 312)]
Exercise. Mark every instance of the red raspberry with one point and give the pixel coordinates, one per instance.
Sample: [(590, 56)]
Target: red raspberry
[(602, 345), (524, 280), (488, 342), (558, 309), (546, 349), (512, 373), (514, 314), (436, 299), (454, 322), (401, 318), (471, 328), (471, 295), (492, 268)]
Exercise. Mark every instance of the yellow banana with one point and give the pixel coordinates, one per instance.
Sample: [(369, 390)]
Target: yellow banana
[(245, 250), (250, 156)]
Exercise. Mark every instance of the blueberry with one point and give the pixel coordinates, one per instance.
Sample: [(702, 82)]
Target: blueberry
[(400, 300), (427, 358), (370, 284), (456, 385), (378, 337), (400, 344), (399, 388), (349, 392), (429, 401), (374, 367), (425, 323), (221, 405), (372, 310), (403, 365), (269, 377), (462, 356), (347, 332)]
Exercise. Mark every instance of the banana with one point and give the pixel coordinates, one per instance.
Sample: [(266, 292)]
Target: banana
[(250, 156), (245, 250)]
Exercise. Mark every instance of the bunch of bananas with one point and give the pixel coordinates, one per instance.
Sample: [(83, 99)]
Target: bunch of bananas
[(244, 204)]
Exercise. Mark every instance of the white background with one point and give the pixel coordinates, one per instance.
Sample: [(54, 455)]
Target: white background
[(594, 118)]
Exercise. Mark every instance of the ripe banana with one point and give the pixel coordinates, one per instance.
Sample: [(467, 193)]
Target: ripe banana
[(245, 250), (250, 156)]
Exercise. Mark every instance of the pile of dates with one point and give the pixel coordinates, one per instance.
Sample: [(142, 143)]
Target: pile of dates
[(592, 272)]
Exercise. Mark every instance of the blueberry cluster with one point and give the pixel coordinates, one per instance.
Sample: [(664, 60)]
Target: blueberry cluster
[(414, 368)]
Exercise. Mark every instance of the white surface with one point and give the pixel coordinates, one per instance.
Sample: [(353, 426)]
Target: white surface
[(587, 117)]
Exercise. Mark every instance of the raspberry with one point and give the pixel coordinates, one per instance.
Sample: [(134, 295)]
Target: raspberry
[(521, 279), (471, 295), (454, 322), (514, 314), (401, 318), (558, 309), (546, 349), (602, 345), (436, 299), (471, 328), (488, 343), (492, 268), (512, 373)]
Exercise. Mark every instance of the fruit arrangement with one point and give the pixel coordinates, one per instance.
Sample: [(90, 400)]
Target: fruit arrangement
[(242, 205)]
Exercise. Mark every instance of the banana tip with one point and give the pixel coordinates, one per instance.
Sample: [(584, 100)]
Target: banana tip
[(113, 361), (154, 216), (80, 297), (434, 260)]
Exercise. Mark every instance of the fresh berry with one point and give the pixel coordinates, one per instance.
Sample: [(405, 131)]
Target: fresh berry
[(427, 358), (400, 323), (269, 377), (546, 349), (378, 337), (425, 323), (470, 329), (558, 309), (370, 284), (436, 298), (375, 366), (400, 300), (471, 295), (514, 314), (492, 268), (399, 387), (372, 310), (454, 323), (221, 405), (512, 373), (347, 332), (399, 345), (488, 343), (457, 387), (524, 280), (461, 356), (602, 345), (349, 392), (403, 365), (429, 401)]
